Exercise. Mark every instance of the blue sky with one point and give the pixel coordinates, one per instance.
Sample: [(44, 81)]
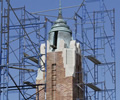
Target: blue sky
[(40, 5)]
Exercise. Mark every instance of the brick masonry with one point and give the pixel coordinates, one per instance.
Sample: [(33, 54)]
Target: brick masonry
[(60, 87)]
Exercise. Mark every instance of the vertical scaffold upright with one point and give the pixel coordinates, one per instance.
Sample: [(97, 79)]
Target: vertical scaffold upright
[(4, 49)]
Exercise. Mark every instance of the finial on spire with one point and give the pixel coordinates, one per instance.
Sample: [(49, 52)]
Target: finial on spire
[(60, 10)]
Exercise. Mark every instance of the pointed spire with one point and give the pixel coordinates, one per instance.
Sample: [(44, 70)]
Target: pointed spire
[(60, 10)]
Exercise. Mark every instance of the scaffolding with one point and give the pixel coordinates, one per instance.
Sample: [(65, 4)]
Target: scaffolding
[(21, 36), (98, 50), (20, 55)]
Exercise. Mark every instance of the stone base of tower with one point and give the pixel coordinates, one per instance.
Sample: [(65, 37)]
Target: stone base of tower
[(64, 76)]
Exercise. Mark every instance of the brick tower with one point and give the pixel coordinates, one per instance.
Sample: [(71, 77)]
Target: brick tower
[(64, 71)]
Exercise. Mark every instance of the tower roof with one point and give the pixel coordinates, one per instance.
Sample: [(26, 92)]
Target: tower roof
[(60, 24)]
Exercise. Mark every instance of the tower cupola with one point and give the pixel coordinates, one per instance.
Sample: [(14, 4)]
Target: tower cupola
[(60, 31)]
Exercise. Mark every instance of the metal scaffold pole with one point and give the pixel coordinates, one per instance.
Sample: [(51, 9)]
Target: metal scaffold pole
[(1, 14), (4, 45)]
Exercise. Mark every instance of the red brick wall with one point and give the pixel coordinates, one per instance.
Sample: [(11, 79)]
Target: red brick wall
[(60, 87)]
